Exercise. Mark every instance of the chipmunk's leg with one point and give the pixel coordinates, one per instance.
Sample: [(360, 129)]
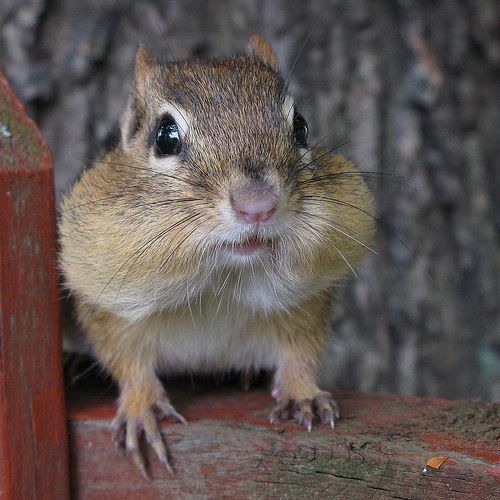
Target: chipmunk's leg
[(143, 401), (142, 404), (299, 396), (302, 338)]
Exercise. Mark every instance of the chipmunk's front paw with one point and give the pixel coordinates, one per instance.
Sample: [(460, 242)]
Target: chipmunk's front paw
[(322, 405), (127, 430)]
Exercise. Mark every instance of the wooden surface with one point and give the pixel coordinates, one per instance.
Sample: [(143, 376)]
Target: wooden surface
[(33, 441), (379, 449)]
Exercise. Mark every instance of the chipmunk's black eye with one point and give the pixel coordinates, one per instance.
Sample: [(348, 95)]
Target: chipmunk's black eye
[(168, 141), (300, 130)]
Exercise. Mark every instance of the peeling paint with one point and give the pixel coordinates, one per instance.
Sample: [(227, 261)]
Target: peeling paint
[(5, 131)]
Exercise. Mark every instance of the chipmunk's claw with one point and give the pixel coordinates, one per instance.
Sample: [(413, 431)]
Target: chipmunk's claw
[(119, 431), (126, 432), (164, 409), (303, 413), (327, 409), (132, 448), (323, 406), (282, 412)]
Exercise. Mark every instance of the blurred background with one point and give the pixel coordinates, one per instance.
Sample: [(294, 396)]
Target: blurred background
[(410, 90)]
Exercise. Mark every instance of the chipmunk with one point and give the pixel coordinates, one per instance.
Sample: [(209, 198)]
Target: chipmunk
[(210, 239)]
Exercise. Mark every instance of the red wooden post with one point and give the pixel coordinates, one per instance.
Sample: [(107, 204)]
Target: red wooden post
[(33, 438)]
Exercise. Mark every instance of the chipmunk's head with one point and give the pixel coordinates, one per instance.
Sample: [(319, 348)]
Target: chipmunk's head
[(213, 186), (225, 132)]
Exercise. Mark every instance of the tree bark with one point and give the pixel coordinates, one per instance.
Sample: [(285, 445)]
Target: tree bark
[(412, 86)]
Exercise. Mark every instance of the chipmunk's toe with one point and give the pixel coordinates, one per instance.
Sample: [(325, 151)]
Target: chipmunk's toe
[(127, 430), (322, 406)]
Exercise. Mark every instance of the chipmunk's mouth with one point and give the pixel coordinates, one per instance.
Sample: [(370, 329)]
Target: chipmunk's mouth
[(249, 247)]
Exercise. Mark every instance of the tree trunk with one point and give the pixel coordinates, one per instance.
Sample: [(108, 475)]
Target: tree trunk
[(412, 86)]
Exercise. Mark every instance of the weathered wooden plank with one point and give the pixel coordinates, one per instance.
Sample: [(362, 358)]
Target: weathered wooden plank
[(379, 449), (33, 440)]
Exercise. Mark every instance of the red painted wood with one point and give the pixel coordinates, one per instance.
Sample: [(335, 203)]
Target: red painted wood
[(379, 449), (33, 437)]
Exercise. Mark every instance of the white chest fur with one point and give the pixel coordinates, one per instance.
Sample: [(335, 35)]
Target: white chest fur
[(216, 338), (226, 323)]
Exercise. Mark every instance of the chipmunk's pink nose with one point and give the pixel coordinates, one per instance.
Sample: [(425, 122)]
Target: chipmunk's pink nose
[(253, 204)]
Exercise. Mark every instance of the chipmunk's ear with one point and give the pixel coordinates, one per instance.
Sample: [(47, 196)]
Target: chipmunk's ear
[(260, 49), (144, 65), (134, 113)]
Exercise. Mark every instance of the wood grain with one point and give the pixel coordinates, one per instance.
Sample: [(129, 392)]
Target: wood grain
[(33, 441), (379, 449)]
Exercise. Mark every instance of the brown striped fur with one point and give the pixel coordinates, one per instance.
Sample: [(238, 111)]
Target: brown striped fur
[(146, 240)]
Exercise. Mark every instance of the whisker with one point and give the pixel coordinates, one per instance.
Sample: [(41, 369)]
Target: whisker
[(100, 200), (187, 220), (219, 293), (385, 176), (335, 228), (328, 152), (313, 197), (204, 256), (168, 201), (165, 201), (346, 261), (308, 166), (141, 250), (293, 171), (164, 36), (239, 285), (381, 221), (292, 67), (221, 288), (148, 169), (188, 235), (393, 228)]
